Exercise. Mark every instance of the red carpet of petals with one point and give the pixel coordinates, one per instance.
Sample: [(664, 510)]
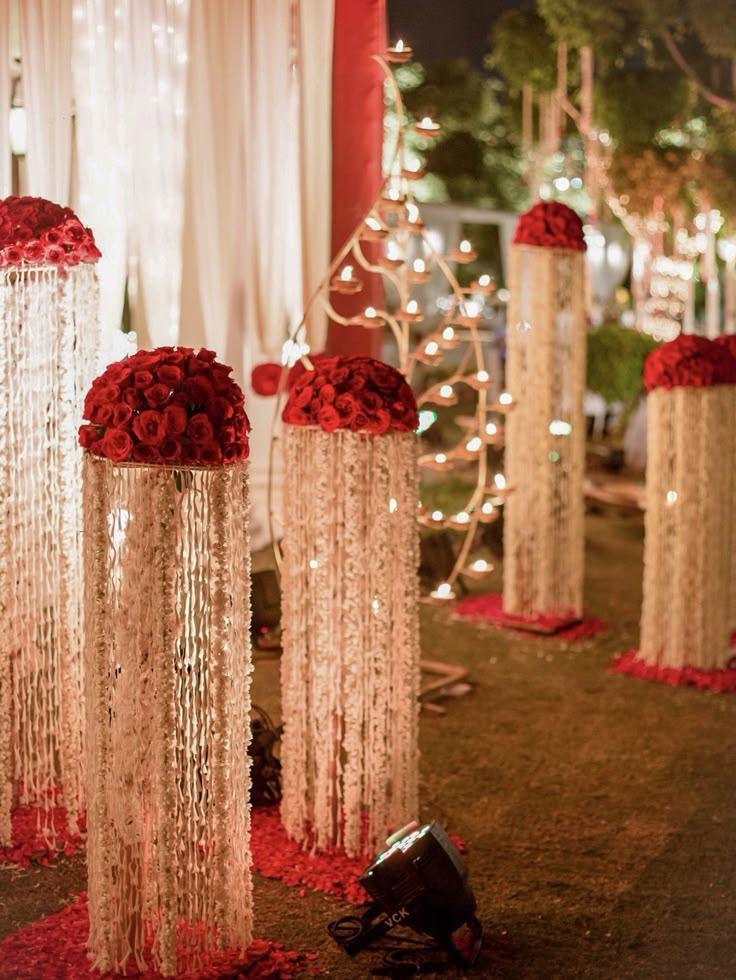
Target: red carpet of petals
[(276, 856), (331, 872), (32, 844), (54, 949), (489, 609), (630, 663)]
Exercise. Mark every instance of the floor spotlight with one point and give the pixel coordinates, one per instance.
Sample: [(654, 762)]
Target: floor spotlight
[(420, 882)]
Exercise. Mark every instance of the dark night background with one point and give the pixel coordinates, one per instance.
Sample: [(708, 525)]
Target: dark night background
[(441, 29)]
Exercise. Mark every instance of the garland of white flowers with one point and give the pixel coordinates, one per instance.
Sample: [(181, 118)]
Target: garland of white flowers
[(686, 611), (49, 338), (167, 689), (350, 665), (545, 434)]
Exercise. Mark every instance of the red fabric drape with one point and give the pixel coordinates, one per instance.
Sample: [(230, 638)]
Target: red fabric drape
[(357, 137)]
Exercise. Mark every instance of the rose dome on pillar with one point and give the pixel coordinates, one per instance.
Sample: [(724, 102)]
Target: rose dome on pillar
[(49, 342)]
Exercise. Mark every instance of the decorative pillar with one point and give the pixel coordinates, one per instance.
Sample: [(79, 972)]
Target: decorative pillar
[(545, 433), (728, 340), (350, 663), (685, 621), (49, 338), (167, 662)]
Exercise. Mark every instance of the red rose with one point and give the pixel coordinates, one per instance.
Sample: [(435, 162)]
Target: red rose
[(157, 395), (208, 356), (54, 254), (241, 424), (89, 435), (359, 422), (169, 374), (200, 429), (90, 252), (170, 450), (265, 378), (101, 413), (149, 427), (385, 377), (174, 356), (380, 422), (133, 398), (116, 445), (144, 453), (13, 255), (33, 251), (222, 410), (52, 236), (175, 419), (121, 414), (303, 396), (144, 360), (346, 407), (199, 390), (327, 394), (210, 454), (371, 401), (107, 393), (328, 418), (226, 434), (117, 372), (142, 379)]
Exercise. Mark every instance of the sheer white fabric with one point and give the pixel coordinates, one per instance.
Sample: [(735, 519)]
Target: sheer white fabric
[(46, 55), (5, 91), (100, 59)]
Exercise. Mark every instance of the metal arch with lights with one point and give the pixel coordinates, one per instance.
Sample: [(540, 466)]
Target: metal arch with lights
[(419, 882)]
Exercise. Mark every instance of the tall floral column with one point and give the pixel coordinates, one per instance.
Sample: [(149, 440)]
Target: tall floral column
[(728, 340), (167, 661), (49, 337), (350, 665), (685, 619), (545, 434)]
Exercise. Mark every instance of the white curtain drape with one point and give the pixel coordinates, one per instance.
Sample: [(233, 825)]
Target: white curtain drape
[(316, 22), (5, 92), (100, 58), (156, 104), (218, 69), (46, 55)]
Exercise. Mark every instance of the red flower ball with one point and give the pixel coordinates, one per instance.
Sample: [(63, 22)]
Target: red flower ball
[(690, 361), (34, 231), (552, 225), (356, 393), (170, 407)]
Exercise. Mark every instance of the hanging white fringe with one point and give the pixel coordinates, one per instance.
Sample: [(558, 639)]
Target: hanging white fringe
[(350, 664), (545, 433), (49, 337), (686, 614), (168, 712)]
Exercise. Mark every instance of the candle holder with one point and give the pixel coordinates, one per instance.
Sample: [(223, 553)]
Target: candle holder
[(49, 345)]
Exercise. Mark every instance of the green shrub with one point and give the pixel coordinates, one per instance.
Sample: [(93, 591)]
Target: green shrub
[(616, 362)]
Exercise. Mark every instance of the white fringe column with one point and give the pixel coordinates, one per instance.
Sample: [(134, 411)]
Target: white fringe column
[(686, 614), (350, 663), (49, 337), (545, 432), (168, 705)]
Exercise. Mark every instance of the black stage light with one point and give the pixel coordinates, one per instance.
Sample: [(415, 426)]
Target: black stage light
[(420, 881)]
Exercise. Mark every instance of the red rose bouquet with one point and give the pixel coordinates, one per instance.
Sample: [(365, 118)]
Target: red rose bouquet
[(355, 392), (689, 361), (168, 406), (34, 231), (552, 225)]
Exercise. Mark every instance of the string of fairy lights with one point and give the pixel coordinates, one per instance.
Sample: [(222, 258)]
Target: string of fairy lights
[(406, 259)]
